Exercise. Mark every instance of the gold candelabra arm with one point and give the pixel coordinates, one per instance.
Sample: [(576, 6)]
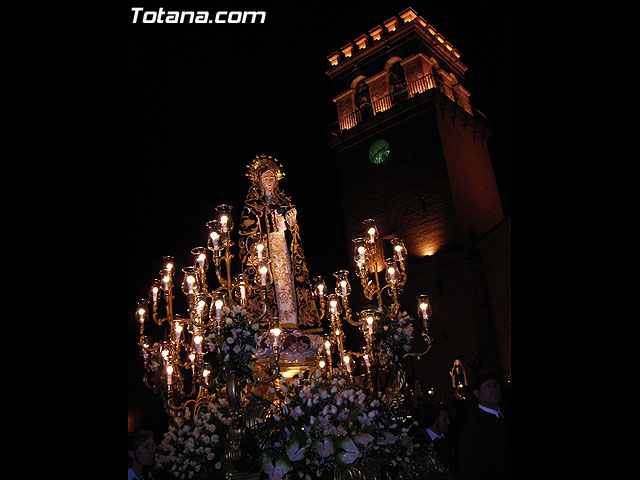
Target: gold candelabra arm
[(347, 312), (428, 340), (273, 368), (265, 306)]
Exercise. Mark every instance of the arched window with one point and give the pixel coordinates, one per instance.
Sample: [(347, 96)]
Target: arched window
[(362, 98), (397, 80)]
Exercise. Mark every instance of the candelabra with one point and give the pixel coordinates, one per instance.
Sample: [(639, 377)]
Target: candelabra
[(188, 365), (366, 255), (182, 353)]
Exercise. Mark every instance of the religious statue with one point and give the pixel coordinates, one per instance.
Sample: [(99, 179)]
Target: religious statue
[(269, 237)]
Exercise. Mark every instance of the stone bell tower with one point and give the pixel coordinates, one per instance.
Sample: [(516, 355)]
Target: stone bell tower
[(412, 153)]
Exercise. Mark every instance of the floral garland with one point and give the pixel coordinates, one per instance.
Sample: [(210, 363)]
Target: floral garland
[(239, 340), (317, 424), (191, 448)]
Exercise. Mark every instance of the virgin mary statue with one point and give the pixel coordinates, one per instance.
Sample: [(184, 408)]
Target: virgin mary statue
[(269, 231)]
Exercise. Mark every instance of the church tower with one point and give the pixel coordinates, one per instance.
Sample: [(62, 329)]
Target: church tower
[(412, 153)]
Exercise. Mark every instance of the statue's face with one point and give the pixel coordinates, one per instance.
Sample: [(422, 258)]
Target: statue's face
[(268, 180)]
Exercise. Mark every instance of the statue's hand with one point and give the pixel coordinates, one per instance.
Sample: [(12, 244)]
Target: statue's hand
[(291, 217)]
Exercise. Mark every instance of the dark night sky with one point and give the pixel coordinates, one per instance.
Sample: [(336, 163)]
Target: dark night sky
[(203, 100)]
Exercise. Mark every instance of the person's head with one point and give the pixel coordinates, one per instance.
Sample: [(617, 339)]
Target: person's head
[(303, 343), (486, 388), (290, 343), (438, 419), (268, 180), (142, 449)]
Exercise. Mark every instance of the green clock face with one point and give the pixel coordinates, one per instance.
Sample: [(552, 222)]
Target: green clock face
[(379, 152)]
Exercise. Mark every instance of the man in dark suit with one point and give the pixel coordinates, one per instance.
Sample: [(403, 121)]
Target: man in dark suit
[(437, 417), (484, 452)]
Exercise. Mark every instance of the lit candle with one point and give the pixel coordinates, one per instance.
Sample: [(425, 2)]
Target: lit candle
[(399, 254), (334, 306), (347, 364), (200, 308), (343, 286), (263, 276), (154, 294), (372, 235), (321, 290), (366, 361), (200, 261), (218, 307), (392, 275), (260, 248), (223, 223), (197, 339), (276, 336), (321, 363), (215, 236), (361, 251), (190, 281), (169, 374), (370, 326), (177, 331), (327, 346)]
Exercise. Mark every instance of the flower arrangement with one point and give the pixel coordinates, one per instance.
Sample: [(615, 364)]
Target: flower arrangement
[(316, 425), (191, 448), (395, 335), (239, 340)]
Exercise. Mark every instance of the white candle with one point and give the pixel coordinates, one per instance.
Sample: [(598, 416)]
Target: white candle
[(370, 324), (260, 248), (263, 276), (343, 285), (198, 341), (276, 336), (347, 364), (214, 240), (223, 222), (392, 275), (372, 235), (169, 373)]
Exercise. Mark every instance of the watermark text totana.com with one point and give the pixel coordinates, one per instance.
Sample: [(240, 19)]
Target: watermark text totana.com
[(140, 15)]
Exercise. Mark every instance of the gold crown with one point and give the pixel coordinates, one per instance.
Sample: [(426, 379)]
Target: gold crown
[(260, 164)]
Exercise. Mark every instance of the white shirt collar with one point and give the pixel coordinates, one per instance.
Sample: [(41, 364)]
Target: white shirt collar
[(133, 476), (434, 435), (497, 413)]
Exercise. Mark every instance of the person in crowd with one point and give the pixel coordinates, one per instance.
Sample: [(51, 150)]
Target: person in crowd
[(437, 417), (142, 455), (484, 450)]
